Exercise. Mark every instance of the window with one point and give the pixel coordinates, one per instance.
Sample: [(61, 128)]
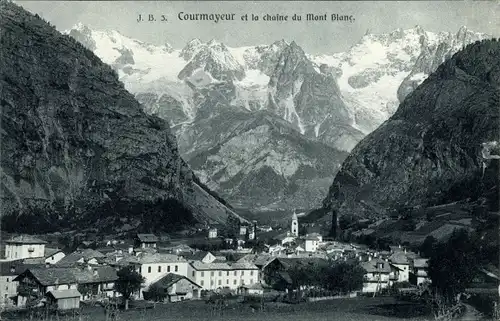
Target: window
[(251, 273), (176, 268), (220, 282), (202, 274), (234, 282), (211, 282), (168, 268), (242, 273), (52, 258), (140, 269), (149, 269), (159, 268), (6, 296), (201, 282), (7, 288), (227, 273), (7, 279), (212, 273), (227, 281), (235, 273), (194, 273), (220, 273)]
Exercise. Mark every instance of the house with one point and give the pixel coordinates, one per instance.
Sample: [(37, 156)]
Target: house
[(153, 266), (181, 248), (87, 256), (377, 275), (285, 238), (97, 281), (317, 235), (9, 270), (400, 261), (311, 243), (52, 256), (253, 289), (146, 240), (202, 256), (64, 299), (265, 228), (418, 273), (243, 230), (43, 280), (212, 276), (24, 246), (212, 233), (176, 287)]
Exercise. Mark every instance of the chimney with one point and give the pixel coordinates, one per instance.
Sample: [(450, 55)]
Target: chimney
[(130, 250), (405, 249)]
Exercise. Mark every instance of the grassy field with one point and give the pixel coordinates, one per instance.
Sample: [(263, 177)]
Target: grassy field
[(356, 309)]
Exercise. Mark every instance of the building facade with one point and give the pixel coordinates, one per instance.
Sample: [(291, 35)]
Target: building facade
[(24, 247)]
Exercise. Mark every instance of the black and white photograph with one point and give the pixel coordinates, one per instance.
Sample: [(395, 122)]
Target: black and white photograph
[(249, 160)]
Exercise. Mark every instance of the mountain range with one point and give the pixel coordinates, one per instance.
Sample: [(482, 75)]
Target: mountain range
[(78, 150), (272, 111), (439, 147)]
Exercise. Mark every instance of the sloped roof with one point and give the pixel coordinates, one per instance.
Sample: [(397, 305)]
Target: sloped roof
[(399, 258), (243, 266), (147, 238), (255, 286), (63, 294), (86, 255), (196, 256), (50, 251), (25, 239), (14, 268), (372, 266), (148, 258), (311, 237), (52, 275), (172, 278), (420, 263), (200, 266)]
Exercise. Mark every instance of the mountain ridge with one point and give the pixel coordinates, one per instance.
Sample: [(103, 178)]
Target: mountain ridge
[(77, 145)]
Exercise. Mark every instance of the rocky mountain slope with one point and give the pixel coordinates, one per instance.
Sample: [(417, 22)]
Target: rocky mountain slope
[(77, 148), (440, 146), (332, 100)]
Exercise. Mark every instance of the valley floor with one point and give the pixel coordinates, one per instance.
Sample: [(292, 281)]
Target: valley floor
[(355, 309)]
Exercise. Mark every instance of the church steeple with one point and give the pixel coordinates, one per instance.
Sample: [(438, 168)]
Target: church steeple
[(295, 225)]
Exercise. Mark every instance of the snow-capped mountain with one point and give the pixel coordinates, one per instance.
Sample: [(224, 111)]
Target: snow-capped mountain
[(371, 72), (210, 93), (433, 54)]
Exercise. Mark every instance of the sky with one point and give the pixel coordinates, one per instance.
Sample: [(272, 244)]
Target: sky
[(316, 37)]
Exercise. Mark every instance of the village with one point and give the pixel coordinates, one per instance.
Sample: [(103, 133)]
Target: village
[(254, 263)]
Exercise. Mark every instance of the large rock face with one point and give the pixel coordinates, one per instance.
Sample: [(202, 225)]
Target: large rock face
[(331, 101), (75, 142), (431, 150)]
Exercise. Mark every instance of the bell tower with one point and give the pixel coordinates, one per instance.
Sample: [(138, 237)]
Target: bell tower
[(295, 225)]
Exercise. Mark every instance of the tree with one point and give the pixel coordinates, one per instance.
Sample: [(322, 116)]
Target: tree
[(129, 281), (428, 247), (157, 293), (84, 289), (343, 277), (452, 265)]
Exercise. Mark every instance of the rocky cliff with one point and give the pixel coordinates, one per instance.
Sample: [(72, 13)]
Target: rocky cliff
[(77, 148), (434, 148)]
